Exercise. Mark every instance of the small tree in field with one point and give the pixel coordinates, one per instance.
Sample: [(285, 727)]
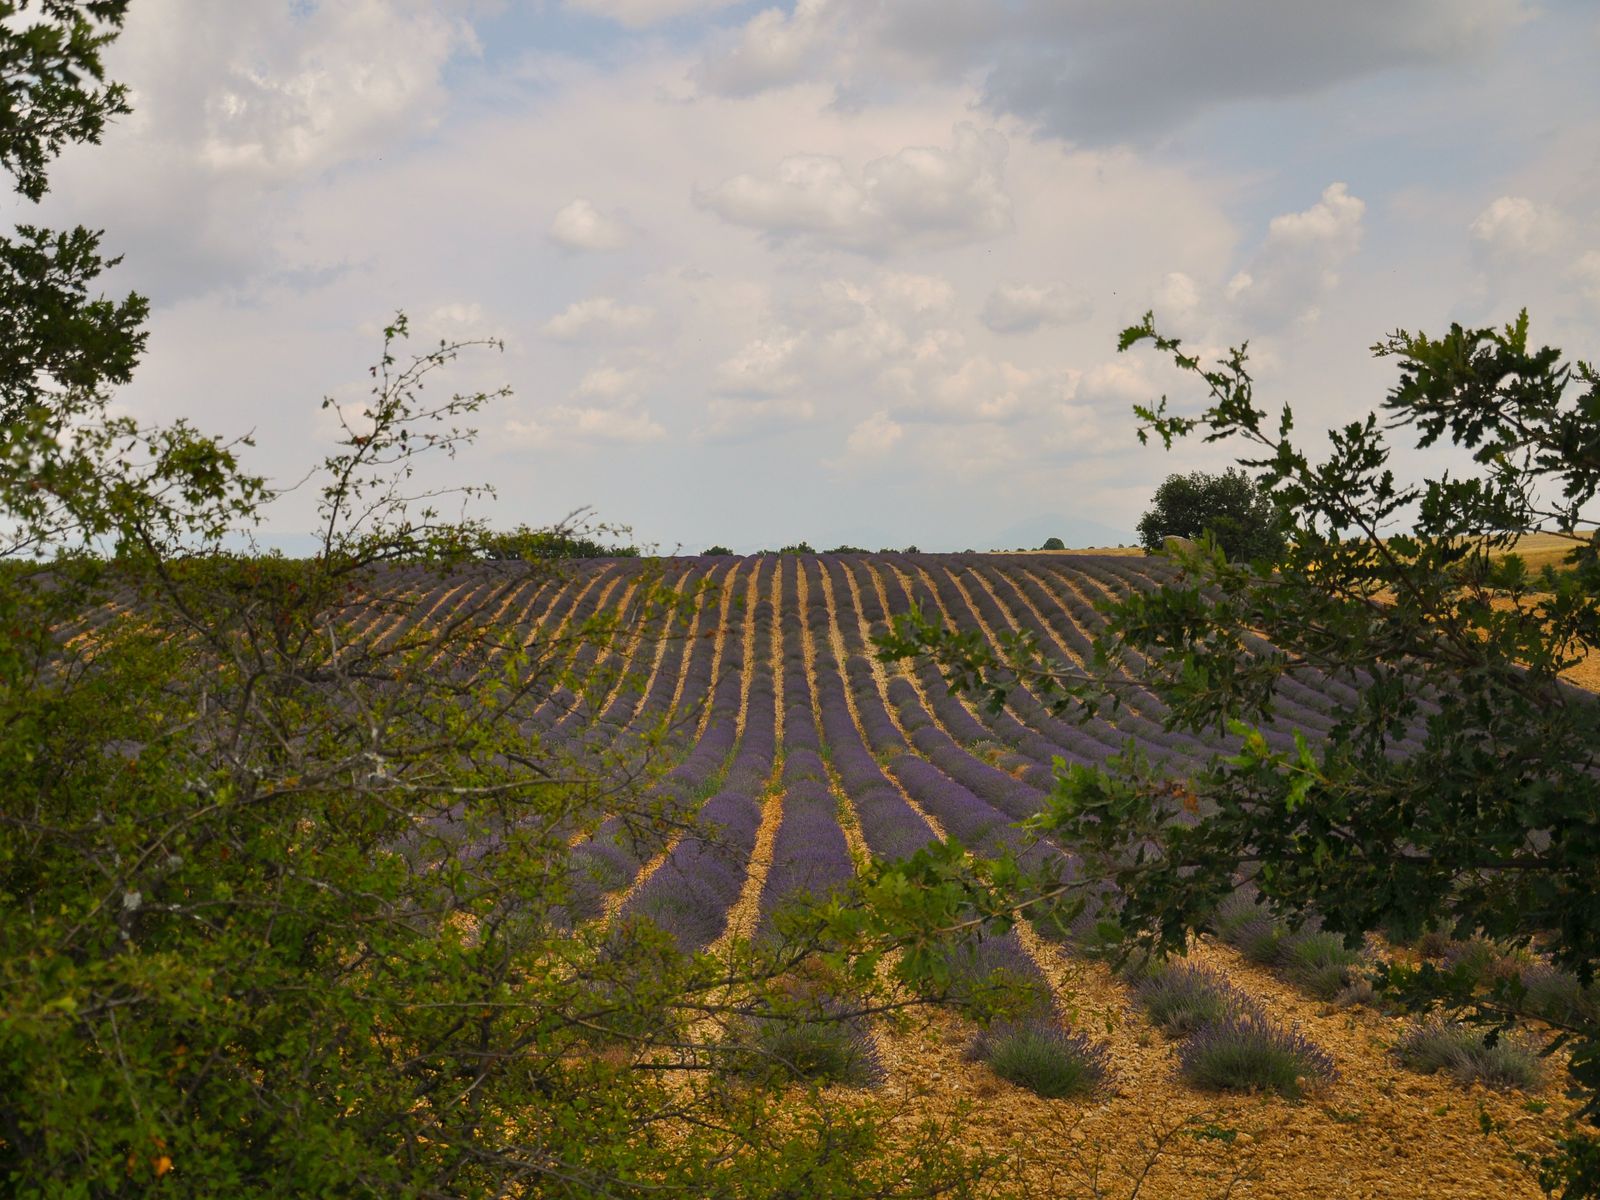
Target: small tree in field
[(1242, 521)]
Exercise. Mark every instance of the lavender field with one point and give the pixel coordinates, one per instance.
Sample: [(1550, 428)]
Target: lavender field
[(792, 754), (742, 696)]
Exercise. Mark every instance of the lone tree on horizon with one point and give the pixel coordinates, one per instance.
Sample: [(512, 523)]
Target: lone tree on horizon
[(1245, 523)]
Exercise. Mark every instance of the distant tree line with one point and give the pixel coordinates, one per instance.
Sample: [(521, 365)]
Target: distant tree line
[(530, 544)]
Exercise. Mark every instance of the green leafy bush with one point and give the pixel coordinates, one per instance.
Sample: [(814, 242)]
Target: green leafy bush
[(1245, 524), (534, 545)]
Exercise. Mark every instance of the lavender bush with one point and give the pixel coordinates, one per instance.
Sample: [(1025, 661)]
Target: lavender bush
[(1245, 1052)]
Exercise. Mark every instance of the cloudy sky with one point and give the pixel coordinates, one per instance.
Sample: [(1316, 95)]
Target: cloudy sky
[(840, 270)]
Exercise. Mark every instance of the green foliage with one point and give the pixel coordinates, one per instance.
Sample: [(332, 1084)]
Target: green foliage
[(1457, 787), (1242, 521), (717, 551), (798, 548), (54, 337), (848, 550), (566, 540), (1054, 543)]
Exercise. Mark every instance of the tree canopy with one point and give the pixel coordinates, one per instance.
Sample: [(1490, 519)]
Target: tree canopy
[(1243, 522), (55, 335)]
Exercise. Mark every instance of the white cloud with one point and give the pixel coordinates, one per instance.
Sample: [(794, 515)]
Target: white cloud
[(599, 318), (773, 48), (237, 106), (920, 196), (606, 382), (763, 367), (1025, 307), (1115, 385), (581, 226), (965, 387), (564, 424), (894, 340), (640, 14), (1298, 263), (874, 437), (1514, 227), (1586, 273), (312, 84), (1178, 295)]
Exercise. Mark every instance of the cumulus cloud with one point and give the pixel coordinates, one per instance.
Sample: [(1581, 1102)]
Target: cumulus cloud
[(1178, 295), (843, 332), (1298, 263), (599, 318), (773, 48), (920, 196), (1114, 386), (960, 386), (581, 226), (767, 366), (237, 106), (607, 382), (640, 14), (1514, 227), (606, 406), (302, 86), (874, 437), (1025, 307), (894, 340)]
